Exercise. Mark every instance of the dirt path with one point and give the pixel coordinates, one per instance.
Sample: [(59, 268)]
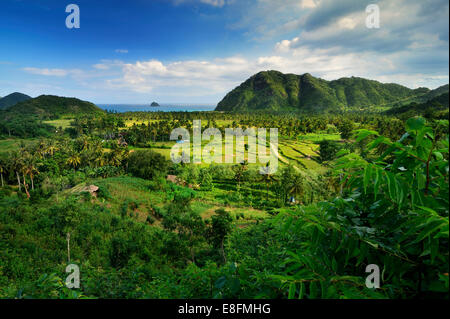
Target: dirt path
[(275, 151)]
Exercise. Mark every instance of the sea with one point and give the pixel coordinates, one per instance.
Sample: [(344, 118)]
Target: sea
[(121, 108)]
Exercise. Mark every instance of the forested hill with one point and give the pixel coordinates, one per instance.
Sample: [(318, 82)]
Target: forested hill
[(12, 99), (273, 90), (436, 93), (50, 106), (436, 107)]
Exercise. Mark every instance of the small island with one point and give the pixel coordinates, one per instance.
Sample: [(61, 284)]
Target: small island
[(154, 104)]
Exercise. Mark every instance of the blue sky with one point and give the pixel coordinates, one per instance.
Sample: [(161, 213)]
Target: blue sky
[(195, 51)]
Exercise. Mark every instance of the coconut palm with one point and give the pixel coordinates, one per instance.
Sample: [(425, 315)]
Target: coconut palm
[(84, 142), (268, 178), (16, 165), (297, 186), (2, 170), (31, 170), (74, 159), (154, 133), (115, 156), (41, 149), (239, 170), (51, 149)]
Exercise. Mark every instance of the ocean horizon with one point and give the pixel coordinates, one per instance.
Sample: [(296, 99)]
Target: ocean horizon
[(164, 107)]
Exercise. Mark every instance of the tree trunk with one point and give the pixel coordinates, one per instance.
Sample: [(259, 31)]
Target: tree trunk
[(32, 183), (3, 184), (223, 252), (68, 246), (18, 180), (192, 255), (25, 185), (26, 189)]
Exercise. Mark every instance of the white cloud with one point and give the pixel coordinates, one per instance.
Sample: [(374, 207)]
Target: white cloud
[(121, 51), (308, 4), (214, 3), (286, 45), (188, 77), (51, 72), (347, 23), (218, 76), (101, 66)]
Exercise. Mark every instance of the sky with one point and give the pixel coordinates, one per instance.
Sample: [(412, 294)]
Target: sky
[(196, 51)]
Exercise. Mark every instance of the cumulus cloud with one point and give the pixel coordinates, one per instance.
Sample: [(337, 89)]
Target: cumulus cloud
[(329, 23), (190, 77), (411, 45), (218, 76)]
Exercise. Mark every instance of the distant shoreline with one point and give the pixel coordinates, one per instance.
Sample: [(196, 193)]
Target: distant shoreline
[(122, 108)]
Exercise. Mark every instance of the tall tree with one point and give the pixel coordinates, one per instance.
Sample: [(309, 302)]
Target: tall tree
[(268, 178), (2, 170), (74, 159), (16, 165)]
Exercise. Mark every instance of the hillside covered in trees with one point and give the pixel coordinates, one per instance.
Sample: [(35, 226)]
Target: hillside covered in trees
[(50, 106), (12, 99), (275, 91)]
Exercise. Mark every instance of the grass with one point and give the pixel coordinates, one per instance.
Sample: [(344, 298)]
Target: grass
[(135, 197), (317, 137), (13, 144), (64, 123)]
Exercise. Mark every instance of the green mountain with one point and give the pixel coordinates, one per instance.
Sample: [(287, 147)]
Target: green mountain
[(275, 91), (436, 93), (12, 99), (436, 107), (50, 106)]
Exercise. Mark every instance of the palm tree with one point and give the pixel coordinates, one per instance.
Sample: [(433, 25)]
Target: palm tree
[(100, 160), (155, 133), (84, 143), (31, 169), (239, 172), (73, 159), (297, 186), (114, 157), (41, 149), (2, 170), (51, 149), (25, 157), (268, 178), (16, 165)]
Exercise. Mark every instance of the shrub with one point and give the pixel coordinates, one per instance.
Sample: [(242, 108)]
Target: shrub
[(147, 164), (328, 150)]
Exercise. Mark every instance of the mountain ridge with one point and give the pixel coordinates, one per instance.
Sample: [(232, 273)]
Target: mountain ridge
[(52, 106), (12, 99), (276, 91)]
